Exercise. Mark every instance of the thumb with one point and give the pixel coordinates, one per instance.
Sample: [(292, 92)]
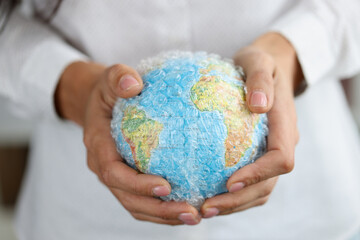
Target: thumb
[(259, 69), (124, 81), (260, 91)]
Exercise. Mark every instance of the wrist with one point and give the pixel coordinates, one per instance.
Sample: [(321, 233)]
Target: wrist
[(74, 88), (284, 55)]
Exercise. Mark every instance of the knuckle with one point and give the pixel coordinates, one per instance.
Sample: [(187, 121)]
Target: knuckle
[(90, 164), (230, 210), (129, 207), (163, 211), (138, 216), (128, 204), (287, 164), (263, 201), (135, 187), (87, 139), (233, 203), (91, 139), (108, 101), (113, 74), (105, 172), (163, 216), (255, 177), (266, 191), (230, 204), (262, 76), (114, 71)]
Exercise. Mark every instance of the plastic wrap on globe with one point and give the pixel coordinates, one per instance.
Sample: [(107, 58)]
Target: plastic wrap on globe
[(190, 124)]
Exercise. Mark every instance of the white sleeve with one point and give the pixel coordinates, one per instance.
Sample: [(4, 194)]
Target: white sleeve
[(326, 36), (32, 58)]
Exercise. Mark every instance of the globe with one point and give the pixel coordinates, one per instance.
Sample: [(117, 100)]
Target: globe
[(190, 124)]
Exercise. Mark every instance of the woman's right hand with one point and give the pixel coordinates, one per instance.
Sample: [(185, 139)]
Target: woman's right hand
[(86, 94)]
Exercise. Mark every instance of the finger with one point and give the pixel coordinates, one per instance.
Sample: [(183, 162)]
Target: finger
[(111, 169), (119, 175), (91, 163), (143, 217), (260, 90), (281, 148), (255, 203), (229, 202), (124, 81), (259, 70), (156, 208), (273, 163)]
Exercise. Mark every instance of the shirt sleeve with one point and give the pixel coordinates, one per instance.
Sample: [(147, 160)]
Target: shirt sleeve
[(326, 37), (31, 61)]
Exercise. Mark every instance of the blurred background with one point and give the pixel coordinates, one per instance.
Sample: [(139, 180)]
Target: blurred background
[(15, 134), (14, 144)]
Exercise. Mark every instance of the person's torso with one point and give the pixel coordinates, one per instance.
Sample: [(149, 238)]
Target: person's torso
[(62, 199)]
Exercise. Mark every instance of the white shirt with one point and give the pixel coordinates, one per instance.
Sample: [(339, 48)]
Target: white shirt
[(62, 199)]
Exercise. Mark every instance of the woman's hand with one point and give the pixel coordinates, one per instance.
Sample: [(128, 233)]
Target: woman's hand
[(273, 73), (86, 95)]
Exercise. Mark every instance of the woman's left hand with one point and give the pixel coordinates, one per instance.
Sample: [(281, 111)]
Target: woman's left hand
[(273, 72)]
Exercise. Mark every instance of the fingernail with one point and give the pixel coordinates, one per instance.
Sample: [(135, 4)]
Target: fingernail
[(127, 82), (161, 191), (236, 187), (188, 218), (258, 99), (211, 212)]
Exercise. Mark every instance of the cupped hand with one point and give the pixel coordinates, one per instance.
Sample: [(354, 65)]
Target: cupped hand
[(86, 95), (272, 73)]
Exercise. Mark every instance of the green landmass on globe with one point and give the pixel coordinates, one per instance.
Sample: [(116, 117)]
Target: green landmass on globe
[(142, 134)]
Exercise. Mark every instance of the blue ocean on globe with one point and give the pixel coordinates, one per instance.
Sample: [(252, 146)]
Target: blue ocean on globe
[(190, 124)]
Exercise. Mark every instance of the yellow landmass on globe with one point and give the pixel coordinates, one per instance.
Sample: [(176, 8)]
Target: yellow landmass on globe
[(142, 134), (221, 67), (212, 93)]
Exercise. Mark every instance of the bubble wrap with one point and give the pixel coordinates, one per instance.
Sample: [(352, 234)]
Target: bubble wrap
[(190, 124)]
